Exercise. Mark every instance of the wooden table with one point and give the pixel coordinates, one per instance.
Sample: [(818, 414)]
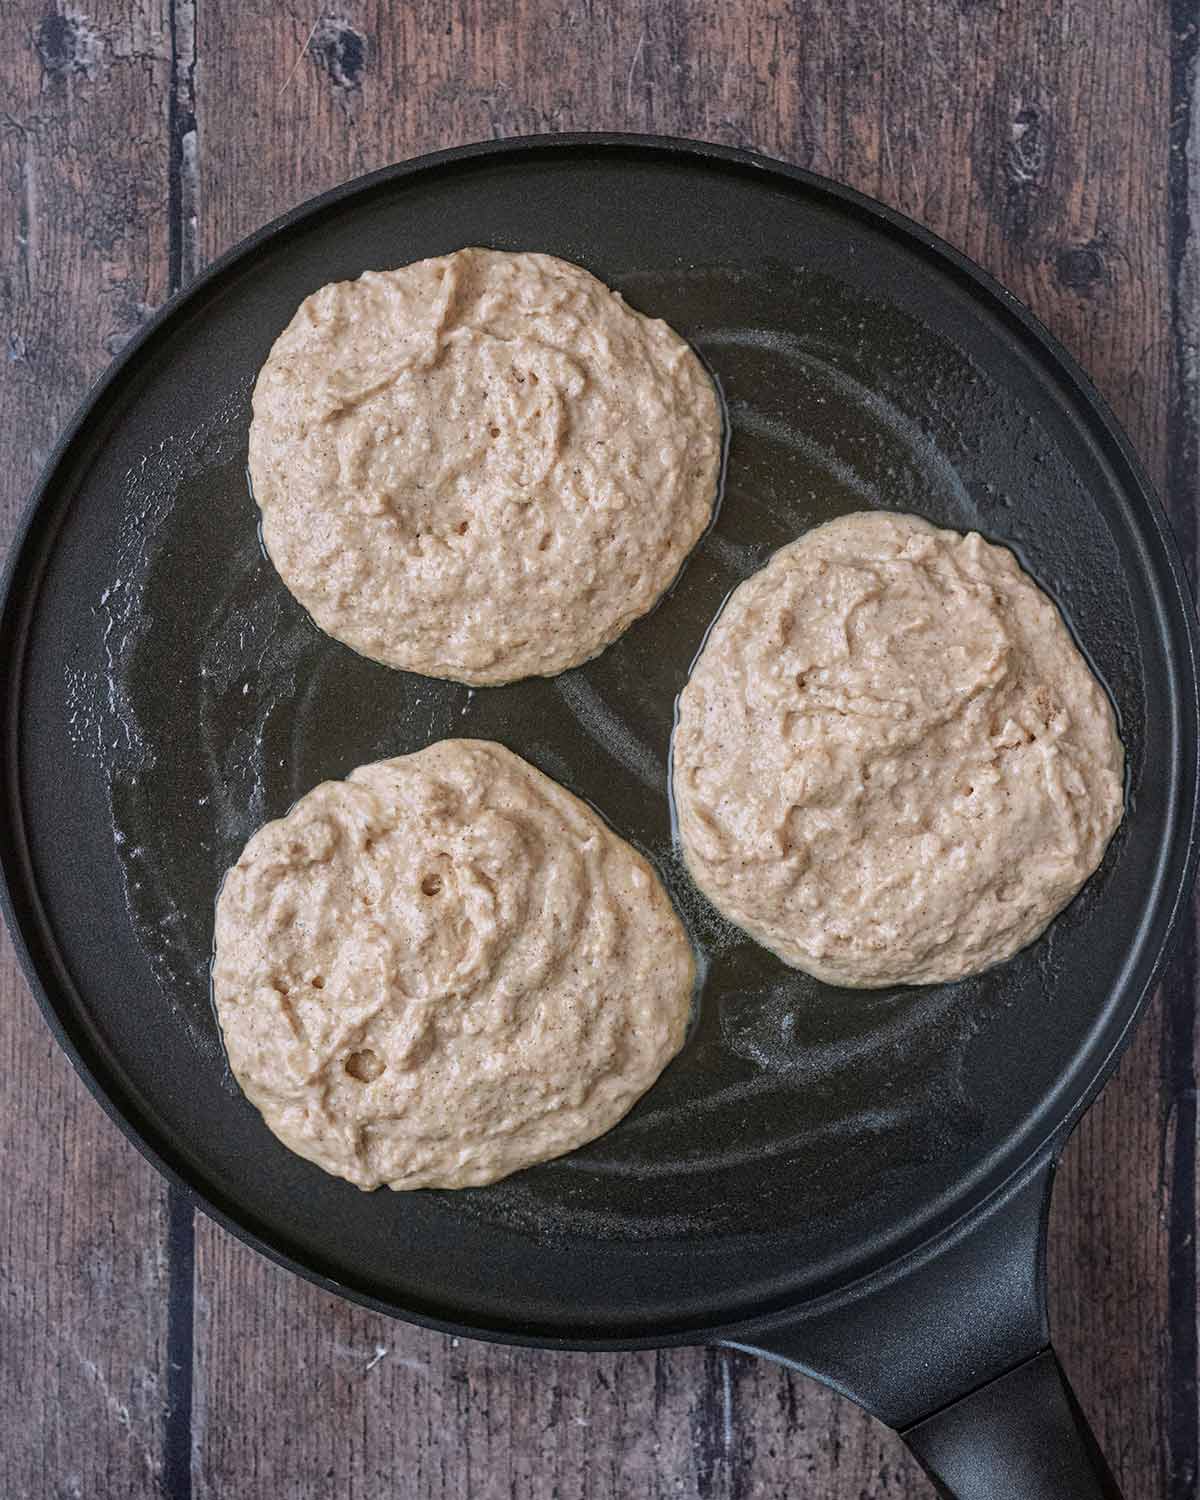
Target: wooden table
[(143, 1351)]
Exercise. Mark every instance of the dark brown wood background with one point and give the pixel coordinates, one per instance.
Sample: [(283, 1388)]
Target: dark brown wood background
[(146, 1353)]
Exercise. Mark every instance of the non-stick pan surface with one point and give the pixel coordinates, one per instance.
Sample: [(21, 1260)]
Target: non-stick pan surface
[(163, 695)]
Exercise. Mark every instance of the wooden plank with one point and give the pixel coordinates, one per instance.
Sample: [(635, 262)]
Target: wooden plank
[(83, 1275), (1031, 135), (360, 1402), (1181, 1040)]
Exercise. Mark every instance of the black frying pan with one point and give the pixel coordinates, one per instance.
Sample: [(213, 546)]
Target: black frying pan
[(855, 1183)]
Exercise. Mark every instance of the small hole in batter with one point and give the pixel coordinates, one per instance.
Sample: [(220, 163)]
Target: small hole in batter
[(318, 982), (431, 884), (365, 1066), (461, 528), (495, 431), (544, 543), (533, 378)]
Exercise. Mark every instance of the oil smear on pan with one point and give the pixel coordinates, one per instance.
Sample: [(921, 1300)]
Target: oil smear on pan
[(182, 625), (102, 723)]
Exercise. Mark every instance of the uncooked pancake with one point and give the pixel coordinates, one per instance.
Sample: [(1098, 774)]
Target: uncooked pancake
[(483, 466), (445, 968), (892, 764)]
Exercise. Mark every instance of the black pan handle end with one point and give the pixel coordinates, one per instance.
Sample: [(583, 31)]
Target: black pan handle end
[(952, 1349), (1022, 1436)]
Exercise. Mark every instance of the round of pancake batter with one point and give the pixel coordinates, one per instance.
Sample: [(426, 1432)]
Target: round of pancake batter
[(483, 466), (892, 764), (444, 969)]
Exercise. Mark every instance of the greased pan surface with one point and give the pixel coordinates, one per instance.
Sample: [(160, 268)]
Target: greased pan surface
[(163, 695)]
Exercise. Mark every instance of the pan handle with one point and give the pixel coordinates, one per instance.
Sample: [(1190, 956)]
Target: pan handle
[(1023, 1435), (951, 1347)]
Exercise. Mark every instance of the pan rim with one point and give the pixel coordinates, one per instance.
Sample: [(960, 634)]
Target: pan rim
[(1180, 856)]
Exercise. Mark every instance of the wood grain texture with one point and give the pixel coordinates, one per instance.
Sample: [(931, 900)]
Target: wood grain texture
[(83, 1272), (361, 1402), (145, 139), (1181, 1034)]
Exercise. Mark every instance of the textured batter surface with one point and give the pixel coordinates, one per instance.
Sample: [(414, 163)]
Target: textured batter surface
[(483, 466), (445, 968), (892, 764)]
